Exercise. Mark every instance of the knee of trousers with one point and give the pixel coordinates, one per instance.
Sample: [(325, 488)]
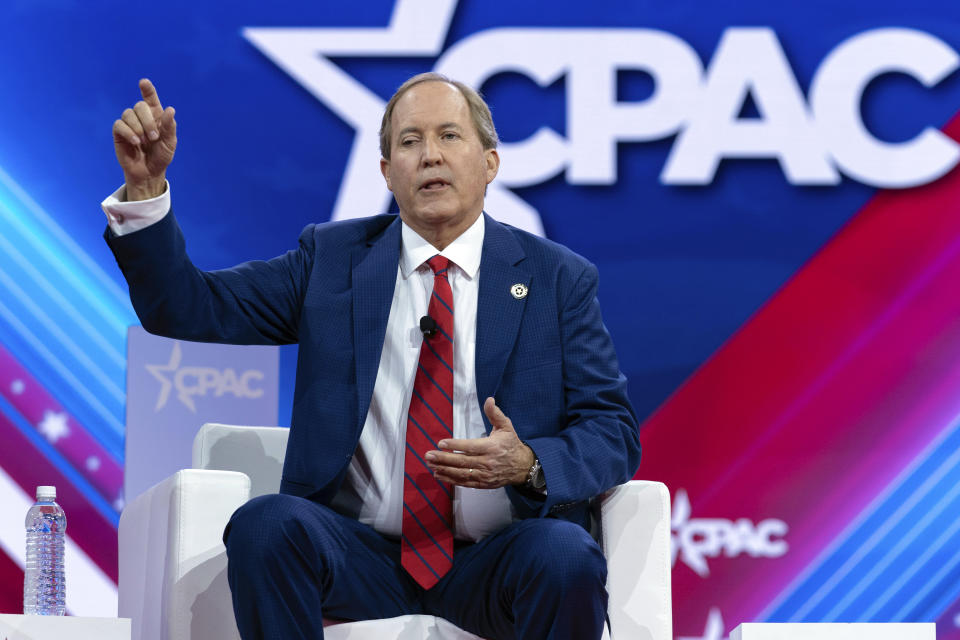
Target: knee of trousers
[(270, 526), (563, 554)]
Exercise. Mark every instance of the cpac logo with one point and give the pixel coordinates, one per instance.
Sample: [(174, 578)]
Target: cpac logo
[(198, 381), (814, 139), (696, 539)]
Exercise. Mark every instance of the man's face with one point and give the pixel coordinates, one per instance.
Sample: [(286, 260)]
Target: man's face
[(438, 169)]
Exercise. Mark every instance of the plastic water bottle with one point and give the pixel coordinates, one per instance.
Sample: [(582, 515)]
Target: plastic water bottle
[(44, 589)]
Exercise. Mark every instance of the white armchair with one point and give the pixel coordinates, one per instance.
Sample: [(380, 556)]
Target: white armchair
[(173, 565)]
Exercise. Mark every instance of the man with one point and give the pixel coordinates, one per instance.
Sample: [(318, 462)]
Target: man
[(457, 403)]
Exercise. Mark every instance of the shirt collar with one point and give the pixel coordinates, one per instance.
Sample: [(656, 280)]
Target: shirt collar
[(464, 252)]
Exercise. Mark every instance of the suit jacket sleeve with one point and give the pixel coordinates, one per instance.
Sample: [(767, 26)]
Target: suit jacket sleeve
[(599, 447), (256, 302)]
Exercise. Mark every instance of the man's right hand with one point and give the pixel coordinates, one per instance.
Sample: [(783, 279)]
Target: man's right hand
[(145, 138)]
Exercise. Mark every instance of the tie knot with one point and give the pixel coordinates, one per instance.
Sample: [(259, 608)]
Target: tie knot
[(439, 264)]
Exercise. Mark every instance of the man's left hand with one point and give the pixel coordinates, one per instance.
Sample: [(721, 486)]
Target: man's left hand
[(498, 460)]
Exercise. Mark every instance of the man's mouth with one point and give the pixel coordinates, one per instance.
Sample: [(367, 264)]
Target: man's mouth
[(434, 185)]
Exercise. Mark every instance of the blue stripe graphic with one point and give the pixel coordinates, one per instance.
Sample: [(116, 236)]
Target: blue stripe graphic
[(919, 527), (61, 254), (898, 561), (62, 375), (25, 271), (63, 317), (915, 577), (946, 583), (45, 321)]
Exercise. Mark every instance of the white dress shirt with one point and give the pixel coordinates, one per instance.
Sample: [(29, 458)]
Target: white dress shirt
[(372, 491)]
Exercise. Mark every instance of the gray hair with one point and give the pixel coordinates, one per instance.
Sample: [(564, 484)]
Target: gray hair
[(479, 111)]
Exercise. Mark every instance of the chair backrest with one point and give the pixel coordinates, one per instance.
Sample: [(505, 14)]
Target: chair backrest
[(255, 451)]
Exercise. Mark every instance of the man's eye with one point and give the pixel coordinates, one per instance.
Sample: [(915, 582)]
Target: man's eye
[(450, 135), (406, 142)]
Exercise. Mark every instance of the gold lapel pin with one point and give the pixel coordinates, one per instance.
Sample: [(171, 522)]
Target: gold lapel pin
[(519, 290)]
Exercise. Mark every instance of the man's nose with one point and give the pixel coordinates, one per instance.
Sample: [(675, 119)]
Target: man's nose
[(431, 152)]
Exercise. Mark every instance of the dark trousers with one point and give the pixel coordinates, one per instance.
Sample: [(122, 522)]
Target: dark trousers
[(292, 562)]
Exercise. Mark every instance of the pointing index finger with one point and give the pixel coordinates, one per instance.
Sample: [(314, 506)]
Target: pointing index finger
[(149, 93)]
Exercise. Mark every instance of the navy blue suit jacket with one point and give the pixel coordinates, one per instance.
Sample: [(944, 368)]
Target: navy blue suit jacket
[(546, 358)]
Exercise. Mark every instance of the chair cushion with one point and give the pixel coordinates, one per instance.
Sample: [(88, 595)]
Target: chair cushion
[(415, 627)]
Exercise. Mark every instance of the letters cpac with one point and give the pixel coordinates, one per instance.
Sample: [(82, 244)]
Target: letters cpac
[(814, 139), (197, 381)]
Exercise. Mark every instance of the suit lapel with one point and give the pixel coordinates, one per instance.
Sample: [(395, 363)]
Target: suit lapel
[(498, 311), (374, 279)]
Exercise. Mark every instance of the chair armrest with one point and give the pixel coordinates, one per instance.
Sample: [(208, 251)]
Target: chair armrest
[(635, 536), (172, 554)]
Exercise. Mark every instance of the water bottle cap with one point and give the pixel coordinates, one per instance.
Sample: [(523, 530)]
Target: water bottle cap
[(46, 491)]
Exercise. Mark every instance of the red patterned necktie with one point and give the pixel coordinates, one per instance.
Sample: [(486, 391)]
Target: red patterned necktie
[(427, 547)]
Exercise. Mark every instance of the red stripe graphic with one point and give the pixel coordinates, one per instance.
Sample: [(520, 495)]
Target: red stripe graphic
[(61, 429), (11, 585), (821, 399), (28, 467)]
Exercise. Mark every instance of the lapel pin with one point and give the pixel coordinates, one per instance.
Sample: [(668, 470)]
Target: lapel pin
[(519, 290)]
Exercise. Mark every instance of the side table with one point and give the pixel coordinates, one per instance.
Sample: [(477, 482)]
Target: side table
[(835, 631), (18, 627)]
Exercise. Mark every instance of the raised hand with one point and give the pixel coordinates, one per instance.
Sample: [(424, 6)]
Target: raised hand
[(492, 462), (145, 138)]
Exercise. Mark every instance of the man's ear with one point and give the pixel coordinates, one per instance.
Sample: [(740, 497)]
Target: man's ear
[(385, 170), (493, 163)]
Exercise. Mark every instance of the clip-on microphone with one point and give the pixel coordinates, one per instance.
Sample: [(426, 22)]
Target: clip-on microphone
[(428, 326)]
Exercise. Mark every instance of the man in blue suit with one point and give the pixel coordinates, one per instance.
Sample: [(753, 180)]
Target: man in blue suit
[(535, 409)]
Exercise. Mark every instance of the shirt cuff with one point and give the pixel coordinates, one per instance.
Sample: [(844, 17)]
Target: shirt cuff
[(126, 217)]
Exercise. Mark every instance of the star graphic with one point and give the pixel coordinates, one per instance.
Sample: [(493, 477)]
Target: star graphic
[(417, 28), (93, 463), (157, 371), (17, 387), (678, 518), (54, 426), (713, 630)]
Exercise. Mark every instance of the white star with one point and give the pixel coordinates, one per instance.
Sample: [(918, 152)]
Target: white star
[(93, 463), (156, 370), (54, 426), (417, 28), (119, 504), (680, 517), (713, 630), (17, 387)]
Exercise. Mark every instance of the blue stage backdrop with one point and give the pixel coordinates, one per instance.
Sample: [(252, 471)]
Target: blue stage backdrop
[(769, 190)]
